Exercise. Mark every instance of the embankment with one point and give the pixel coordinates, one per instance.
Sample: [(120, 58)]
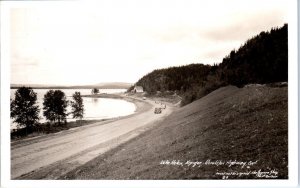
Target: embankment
[(247, 124)]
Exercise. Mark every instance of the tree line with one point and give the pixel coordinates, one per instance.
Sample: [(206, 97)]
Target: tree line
[(261, 59), (25, 110)]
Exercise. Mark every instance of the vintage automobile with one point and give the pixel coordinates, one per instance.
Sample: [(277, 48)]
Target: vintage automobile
[(157, 110)]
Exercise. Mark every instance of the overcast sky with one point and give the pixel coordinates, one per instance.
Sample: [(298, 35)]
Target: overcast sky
[(71, 43)]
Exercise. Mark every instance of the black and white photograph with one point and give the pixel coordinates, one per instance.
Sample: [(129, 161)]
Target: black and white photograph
[(149, 90)]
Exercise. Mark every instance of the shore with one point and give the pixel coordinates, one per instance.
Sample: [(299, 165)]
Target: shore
[(107, 95), (45, 129), (138, 102), (53, 155)]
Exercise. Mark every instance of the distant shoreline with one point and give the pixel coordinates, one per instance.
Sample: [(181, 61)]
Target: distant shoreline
[(135, 101), (102, 85), (105, 95), (66, 87)]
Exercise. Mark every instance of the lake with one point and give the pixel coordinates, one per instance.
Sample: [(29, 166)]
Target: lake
[(94, 108)]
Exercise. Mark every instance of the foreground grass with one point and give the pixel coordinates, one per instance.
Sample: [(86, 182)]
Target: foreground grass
[(248, 124), (47, 128)]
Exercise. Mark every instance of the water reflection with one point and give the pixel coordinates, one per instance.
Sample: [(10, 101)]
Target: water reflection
[(94, 108)]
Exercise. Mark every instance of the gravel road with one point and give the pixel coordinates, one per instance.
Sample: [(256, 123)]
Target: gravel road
[(50, 156)]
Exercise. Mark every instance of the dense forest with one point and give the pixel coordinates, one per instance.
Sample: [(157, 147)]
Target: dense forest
[(262, 59)]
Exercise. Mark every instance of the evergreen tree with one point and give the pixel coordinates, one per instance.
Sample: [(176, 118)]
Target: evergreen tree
[(262, 59)]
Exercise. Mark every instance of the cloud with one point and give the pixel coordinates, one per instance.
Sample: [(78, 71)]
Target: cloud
[(124, 41), (24, 61), (244, 27)]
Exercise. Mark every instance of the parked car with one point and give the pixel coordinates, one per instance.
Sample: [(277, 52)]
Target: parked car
[(157, 110)]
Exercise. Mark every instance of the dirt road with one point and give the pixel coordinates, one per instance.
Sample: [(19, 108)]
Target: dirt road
[(50, 156)]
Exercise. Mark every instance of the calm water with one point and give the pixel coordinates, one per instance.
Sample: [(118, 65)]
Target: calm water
[(95, 108)]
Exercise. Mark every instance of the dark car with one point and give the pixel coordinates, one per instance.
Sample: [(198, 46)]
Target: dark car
[(157, 110)]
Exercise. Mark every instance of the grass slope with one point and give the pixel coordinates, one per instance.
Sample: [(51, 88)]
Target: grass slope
[(244, 124)]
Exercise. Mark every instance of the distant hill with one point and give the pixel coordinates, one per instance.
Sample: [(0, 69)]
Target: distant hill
[(175, 78), (262, 59), (114, 85), (105, 85)]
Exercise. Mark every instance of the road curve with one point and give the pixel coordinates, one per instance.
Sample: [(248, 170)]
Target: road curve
[(51, 156)]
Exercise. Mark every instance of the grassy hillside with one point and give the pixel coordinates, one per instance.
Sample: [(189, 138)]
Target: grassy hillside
[(262, 59), (243, 124)]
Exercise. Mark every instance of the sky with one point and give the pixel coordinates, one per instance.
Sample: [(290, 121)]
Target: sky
[(77, 43)]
